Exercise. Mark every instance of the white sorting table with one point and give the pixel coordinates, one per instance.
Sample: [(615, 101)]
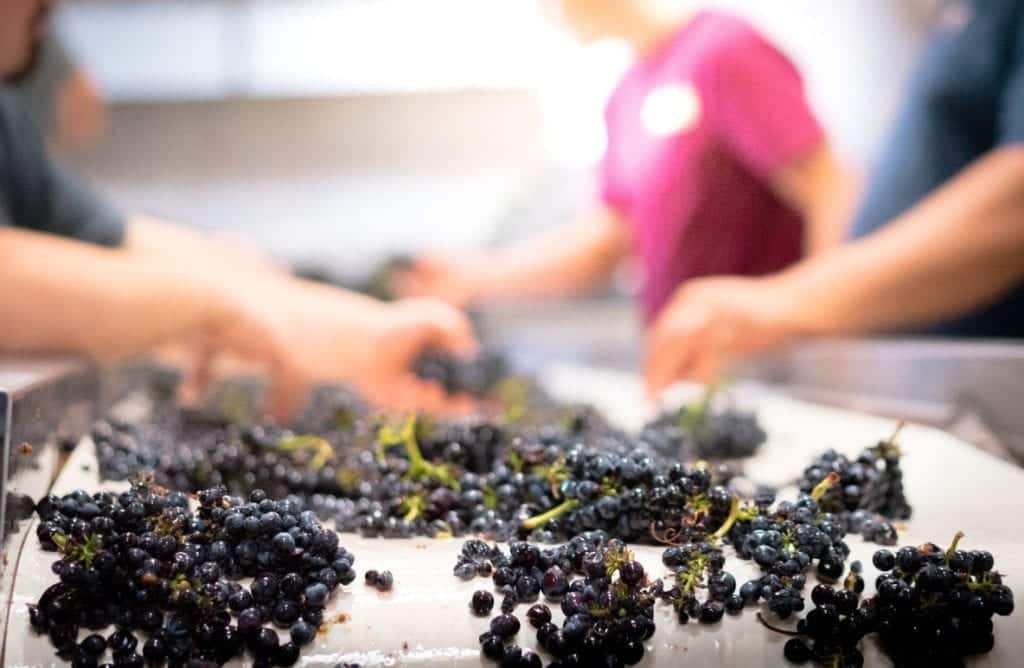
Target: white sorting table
[(425, 619)]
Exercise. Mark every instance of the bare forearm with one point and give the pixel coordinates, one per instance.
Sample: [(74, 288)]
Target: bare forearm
[(66, 296), (567, 260), (828, 217), (170, 242), (960, 248), (823, 190)]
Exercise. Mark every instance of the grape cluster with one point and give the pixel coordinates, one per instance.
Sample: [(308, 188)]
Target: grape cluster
[(187, 452), (786, 541), (932, 604), (509, 477), (546, 489), (830, 633), (478, 376), (932, 607), (608, 609), (699, 567), (144, 562), (629, 496), (870, 490), (701, 430)]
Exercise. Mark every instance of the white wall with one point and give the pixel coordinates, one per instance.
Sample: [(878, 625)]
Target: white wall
[(378, 146), (855, 54)]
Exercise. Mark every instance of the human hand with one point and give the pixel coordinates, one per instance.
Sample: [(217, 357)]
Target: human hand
[(338, 336), (450, 279), (712, 322), (250, 331), (405, 330)]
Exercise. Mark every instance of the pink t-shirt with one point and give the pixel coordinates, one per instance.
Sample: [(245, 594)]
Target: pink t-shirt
[(696, 130)]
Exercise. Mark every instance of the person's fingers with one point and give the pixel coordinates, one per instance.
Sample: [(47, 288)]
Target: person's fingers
[(408, 283), (706, 368), (197, 374), (721, 345), (404, 394), (431, 397), (460, 405), (444, 327), (454, 332), (252, 338), (421, 279), (288, 391), (673, 347), (667, 364)]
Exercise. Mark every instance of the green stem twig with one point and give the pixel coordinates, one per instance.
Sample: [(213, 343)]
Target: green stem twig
[(322, 450), (830, 481), (545, 517)]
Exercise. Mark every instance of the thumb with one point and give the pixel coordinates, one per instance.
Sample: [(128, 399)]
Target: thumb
[(443, 327)]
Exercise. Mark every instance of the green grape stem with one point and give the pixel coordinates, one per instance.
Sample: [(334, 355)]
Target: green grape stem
[(413, 507), (515, 460), (830, 481), (84, 552), (322, 450), (849, 583), (692, 577), (734, 514), (419, 467), (952, 546), (888, 448), (547, 516)]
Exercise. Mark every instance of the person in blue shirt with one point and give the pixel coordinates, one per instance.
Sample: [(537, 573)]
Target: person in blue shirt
[(938, 243)]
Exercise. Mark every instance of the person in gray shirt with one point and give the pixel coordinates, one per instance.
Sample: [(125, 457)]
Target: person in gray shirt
[(61, 97), (77, 276)]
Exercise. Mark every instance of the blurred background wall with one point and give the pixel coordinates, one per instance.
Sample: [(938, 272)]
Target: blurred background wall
[(338, 131)]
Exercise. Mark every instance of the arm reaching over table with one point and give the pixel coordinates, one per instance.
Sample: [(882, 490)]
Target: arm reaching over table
[(565, 261), (961, 247), (79, 278), (71, 297)]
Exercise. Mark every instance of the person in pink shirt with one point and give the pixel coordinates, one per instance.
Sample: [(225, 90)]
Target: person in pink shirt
[(715, 165)]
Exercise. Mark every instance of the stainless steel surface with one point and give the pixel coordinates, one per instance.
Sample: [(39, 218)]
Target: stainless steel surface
[(42, 402), (42, 398), (971, 388)]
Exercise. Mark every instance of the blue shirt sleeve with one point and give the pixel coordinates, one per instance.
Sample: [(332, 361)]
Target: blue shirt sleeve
[(1011, 107)]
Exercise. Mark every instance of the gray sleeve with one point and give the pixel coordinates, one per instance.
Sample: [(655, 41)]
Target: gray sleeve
[(80, 213), (38, 89), (38, 194)]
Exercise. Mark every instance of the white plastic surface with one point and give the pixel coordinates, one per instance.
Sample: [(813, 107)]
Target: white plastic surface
[(425, 620)]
